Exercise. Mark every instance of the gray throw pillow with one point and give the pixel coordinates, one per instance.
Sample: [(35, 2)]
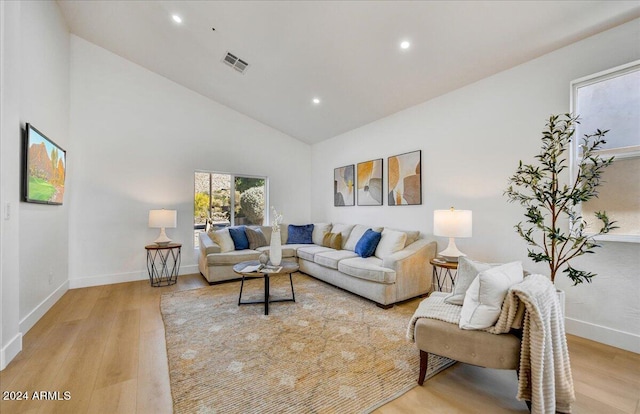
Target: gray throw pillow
[(467, 271), (256, 237)]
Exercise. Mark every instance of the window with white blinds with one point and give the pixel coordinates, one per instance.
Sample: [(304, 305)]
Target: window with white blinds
[(610, 100)]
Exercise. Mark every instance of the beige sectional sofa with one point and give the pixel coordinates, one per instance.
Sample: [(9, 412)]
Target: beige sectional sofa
[(398, 270)]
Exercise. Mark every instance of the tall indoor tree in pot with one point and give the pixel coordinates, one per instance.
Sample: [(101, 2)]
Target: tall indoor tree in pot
[(550, 204)]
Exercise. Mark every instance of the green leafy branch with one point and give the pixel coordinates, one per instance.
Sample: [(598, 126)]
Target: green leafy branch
[(537, 188)]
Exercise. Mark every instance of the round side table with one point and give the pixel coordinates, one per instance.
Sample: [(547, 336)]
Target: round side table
[(441, 271), (163, 263), (285, 267)]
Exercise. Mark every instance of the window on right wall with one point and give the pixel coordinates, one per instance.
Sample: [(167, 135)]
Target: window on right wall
[(610, 100)]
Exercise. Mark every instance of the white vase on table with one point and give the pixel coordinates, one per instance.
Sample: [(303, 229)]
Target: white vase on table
[(275, 248)]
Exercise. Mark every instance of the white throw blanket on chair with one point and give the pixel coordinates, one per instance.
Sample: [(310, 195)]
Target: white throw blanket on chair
[(545, 370)]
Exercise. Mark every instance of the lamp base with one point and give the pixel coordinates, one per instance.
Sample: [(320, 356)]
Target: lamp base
[(451, 253), (162, 239)]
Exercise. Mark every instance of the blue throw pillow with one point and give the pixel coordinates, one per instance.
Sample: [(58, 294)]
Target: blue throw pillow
[(300, 234), (367, 244), (239, 236)]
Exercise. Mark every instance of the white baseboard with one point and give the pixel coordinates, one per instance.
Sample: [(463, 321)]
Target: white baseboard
[(106, 279), (8, 352), (189, 270), (122, 277), (38, 312), (602, 334)]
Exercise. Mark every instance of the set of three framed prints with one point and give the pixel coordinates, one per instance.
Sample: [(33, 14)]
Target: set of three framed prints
[(404, 182)]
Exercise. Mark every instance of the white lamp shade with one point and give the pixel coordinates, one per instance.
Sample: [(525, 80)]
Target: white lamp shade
[(452, 223), (159, 219)]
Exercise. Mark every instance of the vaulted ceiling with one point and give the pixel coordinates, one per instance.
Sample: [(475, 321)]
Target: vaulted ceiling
[(347, 54)]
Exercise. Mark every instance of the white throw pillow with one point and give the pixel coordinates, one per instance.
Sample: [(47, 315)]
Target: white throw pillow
[(483, 301), (467, 271), (319, 229), (223, 239), (390, 242), (412, 235), (357, 232), (344, 229)]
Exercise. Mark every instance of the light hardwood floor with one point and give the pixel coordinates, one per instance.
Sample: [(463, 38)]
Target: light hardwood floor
[(105, 345)]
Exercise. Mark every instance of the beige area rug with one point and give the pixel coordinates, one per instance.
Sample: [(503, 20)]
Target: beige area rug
[(329, 352)]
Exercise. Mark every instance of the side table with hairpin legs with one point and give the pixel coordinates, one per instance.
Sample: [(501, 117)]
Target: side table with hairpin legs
[(444, 275), (163, 263)]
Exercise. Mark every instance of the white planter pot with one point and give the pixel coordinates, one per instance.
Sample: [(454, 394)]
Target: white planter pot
[(275, 248)]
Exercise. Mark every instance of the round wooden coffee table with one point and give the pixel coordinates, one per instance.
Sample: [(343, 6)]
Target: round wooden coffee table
[(285, 267)]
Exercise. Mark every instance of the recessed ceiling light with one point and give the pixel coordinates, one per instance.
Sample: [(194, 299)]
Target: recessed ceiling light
[(405, 45), (316, 101), (176, 18)]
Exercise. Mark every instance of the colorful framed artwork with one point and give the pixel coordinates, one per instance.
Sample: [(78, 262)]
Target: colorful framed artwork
[(45, 168), (369, 181), (405, 179), (343, 182)]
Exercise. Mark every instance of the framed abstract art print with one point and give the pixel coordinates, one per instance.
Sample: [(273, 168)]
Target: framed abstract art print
[(369, 183), (343, 183), (405, 179)]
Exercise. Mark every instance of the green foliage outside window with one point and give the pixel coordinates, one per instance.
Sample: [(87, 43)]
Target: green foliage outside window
[(252, 205), (248, 205), (201, 208)]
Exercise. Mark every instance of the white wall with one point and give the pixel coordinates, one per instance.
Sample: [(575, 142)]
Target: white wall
[(44, 88), (10, 144), (137, 140), (471, 141), (35, 89)]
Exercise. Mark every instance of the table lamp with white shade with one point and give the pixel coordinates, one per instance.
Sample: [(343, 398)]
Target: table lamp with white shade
[(161, 219), (452, 223)]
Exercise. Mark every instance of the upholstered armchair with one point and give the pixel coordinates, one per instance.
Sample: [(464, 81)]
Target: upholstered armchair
[(471, 347), (527, 337)]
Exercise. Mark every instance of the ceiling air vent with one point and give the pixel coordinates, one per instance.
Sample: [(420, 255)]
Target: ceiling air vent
[(235, 62)]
